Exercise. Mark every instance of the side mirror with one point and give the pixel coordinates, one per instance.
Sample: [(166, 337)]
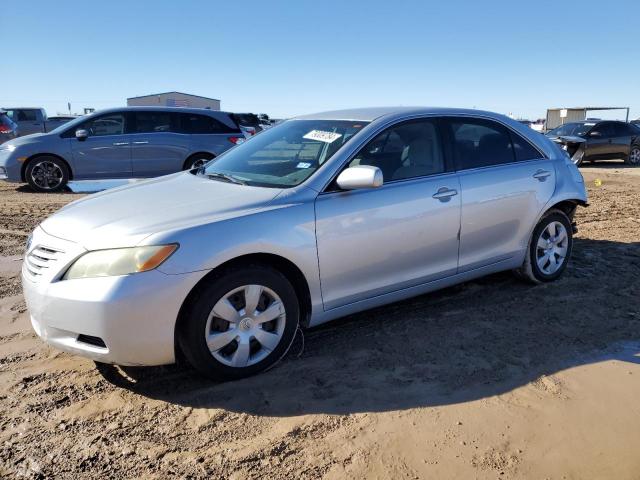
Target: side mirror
[(362, 176), (82, 134)]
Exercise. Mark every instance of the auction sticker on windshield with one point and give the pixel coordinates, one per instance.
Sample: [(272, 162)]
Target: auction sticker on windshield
[(327, 137)]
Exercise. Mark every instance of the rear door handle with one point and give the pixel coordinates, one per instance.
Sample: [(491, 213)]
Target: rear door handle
[(542, 175), (118, 144), (141, 143), (444, 193)]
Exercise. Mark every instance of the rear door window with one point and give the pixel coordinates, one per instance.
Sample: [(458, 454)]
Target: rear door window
[(623, 130), (480, 143), (151, 122)]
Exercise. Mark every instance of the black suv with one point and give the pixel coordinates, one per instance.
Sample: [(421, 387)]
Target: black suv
[(599, 140)]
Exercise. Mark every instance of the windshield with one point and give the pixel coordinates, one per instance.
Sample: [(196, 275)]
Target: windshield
[(71, 124), (572, 129), (286, 155)]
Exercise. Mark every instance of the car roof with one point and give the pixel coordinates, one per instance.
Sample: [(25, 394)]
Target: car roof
[(594, 122), (372, 113)]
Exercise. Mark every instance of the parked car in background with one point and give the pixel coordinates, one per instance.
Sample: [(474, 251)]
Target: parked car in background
[(119, 143), (34, 120), (249, 123), (8, 128), (588, 141), (313, 219)]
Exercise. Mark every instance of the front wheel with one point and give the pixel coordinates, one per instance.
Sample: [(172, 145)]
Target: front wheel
[(47, 174), (240, 323), (634, 156), (549, 248)]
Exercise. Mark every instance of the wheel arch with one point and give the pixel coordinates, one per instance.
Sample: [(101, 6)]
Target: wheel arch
[(285, 266), (568, 206), (23, 169)]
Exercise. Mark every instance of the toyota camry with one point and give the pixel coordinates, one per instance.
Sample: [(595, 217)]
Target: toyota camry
[(318, 217)]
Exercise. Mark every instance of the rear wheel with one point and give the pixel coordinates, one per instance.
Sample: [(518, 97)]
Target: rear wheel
[(549, 248), (634, 156), (197, 160), (47, 174), (240, 323)]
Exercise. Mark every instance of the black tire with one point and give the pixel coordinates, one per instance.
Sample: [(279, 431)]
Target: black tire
[(197, 159), (530, 271), (57, 168), (191, 334), (633, 158)]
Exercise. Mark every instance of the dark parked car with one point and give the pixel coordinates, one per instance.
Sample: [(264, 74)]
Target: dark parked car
[(599, 140), (8, 128)]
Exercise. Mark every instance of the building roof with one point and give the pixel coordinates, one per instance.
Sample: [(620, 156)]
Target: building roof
[(589, 108), (168, 93)]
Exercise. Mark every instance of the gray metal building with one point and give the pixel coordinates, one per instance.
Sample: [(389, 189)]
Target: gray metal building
[(174, 99)]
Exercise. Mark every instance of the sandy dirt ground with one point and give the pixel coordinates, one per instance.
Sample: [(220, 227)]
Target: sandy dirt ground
[(490, 379)]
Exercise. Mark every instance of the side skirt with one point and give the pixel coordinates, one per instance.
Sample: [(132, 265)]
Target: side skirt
[(328, 315)]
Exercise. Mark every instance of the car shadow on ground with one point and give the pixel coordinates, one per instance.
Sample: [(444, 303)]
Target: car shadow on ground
[(472, 341)]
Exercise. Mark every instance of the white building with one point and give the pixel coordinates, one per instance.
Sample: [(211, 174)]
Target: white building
[(174, 99)]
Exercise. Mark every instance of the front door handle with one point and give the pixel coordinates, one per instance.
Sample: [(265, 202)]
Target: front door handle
[(542, 175), (141, 143), (444, 193), (118, 144)]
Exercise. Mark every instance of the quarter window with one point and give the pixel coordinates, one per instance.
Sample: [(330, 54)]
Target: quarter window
[(203, 124), (523, 149), (480, 143), (409, 150)]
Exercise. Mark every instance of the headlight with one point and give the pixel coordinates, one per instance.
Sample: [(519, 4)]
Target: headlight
[(119, 261)]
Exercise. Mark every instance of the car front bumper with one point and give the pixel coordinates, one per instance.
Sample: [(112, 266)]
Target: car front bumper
[(133, 315), (10, 167)]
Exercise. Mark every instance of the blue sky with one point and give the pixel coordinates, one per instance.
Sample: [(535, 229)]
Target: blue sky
[(291, 57)]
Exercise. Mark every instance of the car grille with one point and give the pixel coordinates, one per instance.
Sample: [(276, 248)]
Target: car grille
[(41, 260)]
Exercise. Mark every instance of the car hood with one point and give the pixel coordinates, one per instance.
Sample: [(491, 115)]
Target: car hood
[(25, 139), (124, 216), (566, 139)]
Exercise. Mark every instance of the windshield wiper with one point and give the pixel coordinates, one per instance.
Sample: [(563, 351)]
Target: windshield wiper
[(224, 177)]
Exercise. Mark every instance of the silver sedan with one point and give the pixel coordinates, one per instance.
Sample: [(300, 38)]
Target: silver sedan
[(316, 218)]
